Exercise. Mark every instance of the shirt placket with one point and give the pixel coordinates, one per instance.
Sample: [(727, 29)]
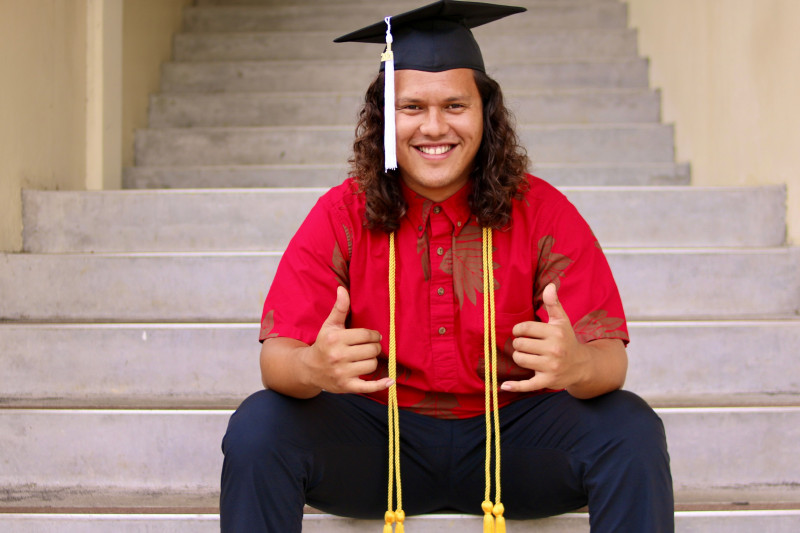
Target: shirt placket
[(442, 301)]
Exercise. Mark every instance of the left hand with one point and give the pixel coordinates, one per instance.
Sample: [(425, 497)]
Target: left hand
[(550, 349)]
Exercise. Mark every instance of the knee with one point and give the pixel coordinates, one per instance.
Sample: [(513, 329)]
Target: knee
[(633, 423), (253, 428)]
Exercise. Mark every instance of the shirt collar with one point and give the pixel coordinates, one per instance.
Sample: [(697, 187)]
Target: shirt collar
[(456, 208)]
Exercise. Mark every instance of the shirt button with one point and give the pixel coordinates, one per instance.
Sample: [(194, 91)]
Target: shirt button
[(440, 250), (440, 292), (437, 210), (419, 228), (458, 223), (442, 330)]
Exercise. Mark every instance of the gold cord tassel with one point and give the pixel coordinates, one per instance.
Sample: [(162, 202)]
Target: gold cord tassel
[(488, 519), (398, 516), (499, 519), (493, 520)]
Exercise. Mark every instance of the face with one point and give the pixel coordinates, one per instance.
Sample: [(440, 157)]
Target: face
[(439, 121)]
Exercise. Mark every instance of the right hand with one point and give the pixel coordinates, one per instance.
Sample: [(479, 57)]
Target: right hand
[(340, 355)]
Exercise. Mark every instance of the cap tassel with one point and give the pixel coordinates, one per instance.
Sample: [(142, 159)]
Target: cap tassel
[(389, 141)]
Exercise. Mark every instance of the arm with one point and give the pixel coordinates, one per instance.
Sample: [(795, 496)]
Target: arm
[(560, 361), (333, 363)]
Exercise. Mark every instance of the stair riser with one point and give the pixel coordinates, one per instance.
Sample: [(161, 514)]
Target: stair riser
[(232, 287), (112, 366), (714, 363), (258, 146), (305, 76), (156, 221), (253, 109), (328, 176), (722, 522), (339, 20), (180, 450), (495, 47)]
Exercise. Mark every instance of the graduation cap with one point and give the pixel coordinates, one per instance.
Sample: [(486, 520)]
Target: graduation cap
[(432, 38)]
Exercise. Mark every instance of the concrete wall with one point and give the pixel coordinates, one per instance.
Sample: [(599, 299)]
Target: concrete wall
[(42, 103), (148, 27), (75, 76), (729, 71)]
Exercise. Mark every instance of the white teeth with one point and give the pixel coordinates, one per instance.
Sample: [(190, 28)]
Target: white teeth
[(435, 150)]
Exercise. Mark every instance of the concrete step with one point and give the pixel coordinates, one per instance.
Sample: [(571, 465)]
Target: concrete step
[(611, 143), (265, 219), (216, 365), (784, 521), (220, 176), (185, 110), (231, 287), (339, 19), (178, 451), (356, 75), (495, 47), (526, 3)]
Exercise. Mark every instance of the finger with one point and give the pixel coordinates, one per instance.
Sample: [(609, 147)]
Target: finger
[(537, 382), (530, 361), (552, 304), (358, 336), (361, 386), (363, 352), (532, 345), (530, 329), (340, 309)]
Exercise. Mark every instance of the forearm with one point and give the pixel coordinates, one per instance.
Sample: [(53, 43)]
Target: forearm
[(606, 371), (283, 369)]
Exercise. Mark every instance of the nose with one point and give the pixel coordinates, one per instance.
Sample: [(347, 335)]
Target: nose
[(434, 123)]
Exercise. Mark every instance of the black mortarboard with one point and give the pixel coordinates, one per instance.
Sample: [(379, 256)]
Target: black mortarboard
[(435, 37), (432, 38)]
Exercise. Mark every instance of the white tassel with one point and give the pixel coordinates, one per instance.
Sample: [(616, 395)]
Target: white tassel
[(389, 141)]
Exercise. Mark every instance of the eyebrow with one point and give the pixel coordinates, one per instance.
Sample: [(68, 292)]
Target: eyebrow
[(449, 99)]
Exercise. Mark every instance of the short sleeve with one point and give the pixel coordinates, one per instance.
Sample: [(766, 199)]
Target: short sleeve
[(570, 256), (315, 262)]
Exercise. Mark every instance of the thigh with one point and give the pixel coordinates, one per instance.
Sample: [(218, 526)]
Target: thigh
[(550, 444), (336, 448)]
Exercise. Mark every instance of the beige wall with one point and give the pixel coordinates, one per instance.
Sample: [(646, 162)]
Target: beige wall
[(729, 71), (42, 103), (148, 28), (74, 82)]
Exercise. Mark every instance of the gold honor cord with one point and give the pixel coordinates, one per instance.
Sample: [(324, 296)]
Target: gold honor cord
[(493, 521), (397, 516)]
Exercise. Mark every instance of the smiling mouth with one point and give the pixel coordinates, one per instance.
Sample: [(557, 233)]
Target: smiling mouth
[(435, 150)]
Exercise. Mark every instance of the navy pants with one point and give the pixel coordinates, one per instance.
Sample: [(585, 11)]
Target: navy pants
[(558, 454)]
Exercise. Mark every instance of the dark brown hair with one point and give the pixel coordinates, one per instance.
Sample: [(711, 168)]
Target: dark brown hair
[(498, 176)]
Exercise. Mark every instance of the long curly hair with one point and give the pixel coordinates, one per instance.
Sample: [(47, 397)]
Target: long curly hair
[(498, 176)]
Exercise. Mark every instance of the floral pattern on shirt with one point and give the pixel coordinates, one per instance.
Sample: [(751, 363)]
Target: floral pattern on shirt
[(598, 325), (267, 324), (550, 268), (437, 404), (464, 261), (423, 249)]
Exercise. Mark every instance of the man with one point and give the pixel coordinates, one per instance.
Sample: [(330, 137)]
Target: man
[(390, 292)]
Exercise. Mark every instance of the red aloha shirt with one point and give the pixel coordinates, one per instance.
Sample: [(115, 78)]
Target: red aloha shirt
[(439, 288)]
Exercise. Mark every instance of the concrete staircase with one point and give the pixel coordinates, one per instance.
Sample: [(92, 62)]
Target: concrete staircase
[(129, 324)]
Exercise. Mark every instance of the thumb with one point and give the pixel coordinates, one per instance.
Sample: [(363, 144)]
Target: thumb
[(340, 308), (552, 305)]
